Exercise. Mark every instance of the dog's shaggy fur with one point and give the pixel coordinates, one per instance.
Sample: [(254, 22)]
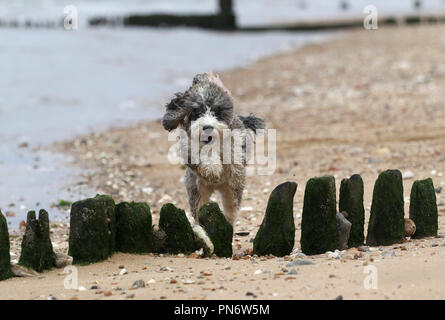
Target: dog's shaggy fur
[(206, 109)]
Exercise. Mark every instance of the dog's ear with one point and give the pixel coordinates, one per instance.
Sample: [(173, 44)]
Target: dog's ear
[(253, 123), (175, 112)]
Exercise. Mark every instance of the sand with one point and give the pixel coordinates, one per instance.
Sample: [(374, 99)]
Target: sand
[(362, 103)]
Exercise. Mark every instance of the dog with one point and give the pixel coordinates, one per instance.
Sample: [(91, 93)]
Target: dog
[(206, 110)]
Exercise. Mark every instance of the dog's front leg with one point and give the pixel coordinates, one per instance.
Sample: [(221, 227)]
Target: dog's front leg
[(198, 192), (231, 200)]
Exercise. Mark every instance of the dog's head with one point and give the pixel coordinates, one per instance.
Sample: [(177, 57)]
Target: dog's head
[(205, 107)]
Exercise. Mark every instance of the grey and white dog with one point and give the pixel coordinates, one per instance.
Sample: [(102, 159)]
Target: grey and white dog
[(206, 110)]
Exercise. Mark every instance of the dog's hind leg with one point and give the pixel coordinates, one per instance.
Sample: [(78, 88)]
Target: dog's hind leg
[(198, 192)]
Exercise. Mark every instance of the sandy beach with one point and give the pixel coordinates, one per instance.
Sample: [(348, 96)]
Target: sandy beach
[(361, 103)]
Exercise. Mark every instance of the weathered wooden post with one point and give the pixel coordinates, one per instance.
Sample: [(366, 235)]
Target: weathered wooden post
[(5, 258), (351, 201), (277, 231), (37, 249), (423, 208), (319, 224), (226, 7), (226, 16), (218, 229), (386, 223), (92, 229)]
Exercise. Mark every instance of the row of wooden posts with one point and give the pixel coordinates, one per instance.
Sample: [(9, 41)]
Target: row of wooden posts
[(99, 227), (387, 220)]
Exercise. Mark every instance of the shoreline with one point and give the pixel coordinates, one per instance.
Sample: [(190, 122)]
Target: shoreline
[(140, 75), (349, 103)]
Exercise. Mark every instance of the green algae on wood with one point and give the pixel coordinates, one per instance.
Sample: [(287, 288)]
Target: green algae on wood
[(133, 228), (319, 223), (351, 202), (5, 258), (180, 235), (386, 223), (92, 230), (423, 208), (276, 235), (218, 229), (37, 249)]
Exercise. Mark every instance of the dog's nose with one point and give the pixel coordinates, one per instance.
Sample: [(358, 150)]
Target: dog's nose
[(207, 128)]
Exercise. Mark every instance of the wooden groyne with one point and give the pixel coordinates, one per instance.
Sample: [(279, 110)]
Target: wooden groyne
[(228, 22)]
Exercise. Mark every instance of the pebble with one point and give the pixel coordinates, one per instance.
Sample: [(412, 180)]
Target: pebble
[(258, 272), (123, 271), (189, 281), (166, 269), (292, 272), (299, 263), (407, 175), (334, 255), (63, 260), (20, 271), (22, 226), (138, 284), (358, 256), (382, 152), (373, 160), (166, 198), (108, 293), (300, 255), (356, 150), (387, 254), (147, 190), (410, 228)]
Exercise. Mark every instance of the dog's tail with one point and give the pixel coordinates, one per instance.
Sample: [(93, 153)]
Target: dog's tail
[(253, 123)]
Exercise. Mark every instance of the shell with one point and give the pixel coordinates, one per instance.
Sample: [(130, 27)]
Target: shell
[(410, 227)]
